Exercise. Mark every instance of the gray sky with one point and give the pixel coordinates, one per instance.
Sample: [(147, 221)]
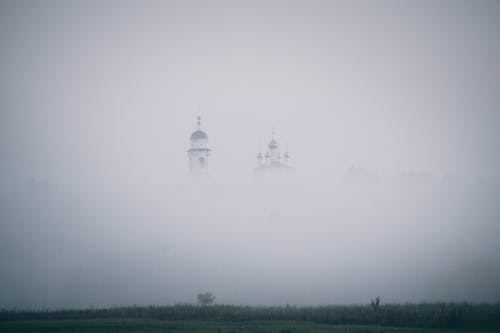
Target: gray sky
[(98, 100)]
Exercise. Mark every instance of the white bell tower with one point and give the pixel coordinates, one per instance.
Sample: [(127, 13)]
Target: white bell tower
[(199, 152)]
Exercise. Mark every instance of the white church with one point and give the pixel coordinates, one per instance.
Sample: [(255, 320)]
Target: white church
[(273, 160), (199, 152)]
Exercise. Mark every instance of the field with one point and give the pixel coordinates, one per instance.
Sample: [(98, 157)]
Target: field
[(410, 318), (153, 326)]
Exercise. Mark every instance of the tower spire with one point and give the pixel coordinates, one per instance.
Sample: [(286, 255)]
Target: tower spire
[(198, 121)]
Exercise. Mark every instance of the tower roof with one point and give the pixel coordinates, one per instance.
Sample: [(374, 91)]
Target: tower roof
[(199, 135)]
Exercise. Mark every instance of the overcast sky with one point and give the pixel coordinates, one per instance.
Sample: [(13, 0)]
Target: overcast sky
[(390, 110)]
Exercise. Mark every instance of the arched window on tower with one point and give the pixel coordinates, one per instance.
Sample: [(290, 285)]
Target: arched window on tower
[(201, 162)]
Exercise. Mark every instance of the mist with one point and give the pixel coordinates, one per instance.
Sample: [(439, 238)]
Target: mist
[(389, 110)]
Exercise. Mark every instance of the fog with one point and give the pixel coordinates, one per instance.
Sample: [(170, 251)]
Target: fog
[(388, 109)]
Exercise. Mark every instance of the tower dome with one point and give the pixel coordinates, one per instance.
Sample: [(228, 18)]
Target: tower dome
[(199, 135)]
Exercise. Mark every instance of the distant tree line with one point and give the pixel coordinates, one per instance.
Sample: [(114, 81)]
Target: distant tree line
[(435, 315)]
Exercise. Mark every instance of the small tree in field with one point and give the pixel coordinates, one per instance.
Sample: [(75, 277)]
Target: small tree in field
[(375, 303), (205, 299)]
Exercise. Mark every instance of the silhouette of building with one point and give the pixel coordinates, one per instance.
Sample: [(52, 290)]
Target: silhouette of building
[(273, 159), (199, 152)]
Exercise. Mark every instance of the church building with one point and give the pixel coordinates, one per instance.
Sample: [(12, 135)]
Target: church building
[(273, 159), (199, 152)]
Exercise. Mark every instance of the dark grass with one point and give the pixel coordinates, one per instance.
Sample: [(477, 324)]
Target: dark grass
[(181, 326), (424, 317)]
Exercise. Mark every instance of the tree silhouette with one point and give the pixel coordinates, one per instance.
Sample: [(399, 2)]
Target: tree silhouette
[(375, 303), (205, 299)]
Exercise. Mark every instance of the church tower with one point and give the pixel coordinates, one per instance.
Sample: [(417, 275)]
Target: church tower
[(199, 152)]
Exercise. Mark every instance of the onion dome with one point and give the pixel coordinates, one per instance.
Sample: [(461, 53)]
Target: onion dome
[(199, 135)]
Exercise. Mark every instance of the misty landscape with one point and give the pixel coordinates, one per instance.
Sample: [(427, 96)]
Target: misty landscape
[(249, 166)]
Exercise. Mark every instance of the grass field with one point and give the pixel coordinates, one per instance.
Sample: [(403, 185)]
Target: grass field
[(387, 318), (182, 326)]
